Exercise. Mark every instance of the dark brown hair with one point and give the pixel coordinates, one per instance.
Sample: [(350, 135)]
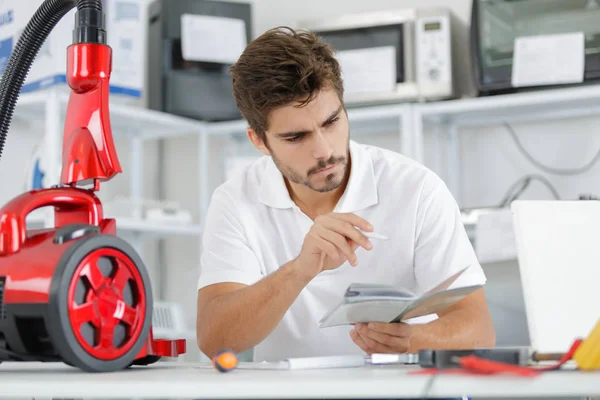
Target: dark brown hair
[(280, 67)]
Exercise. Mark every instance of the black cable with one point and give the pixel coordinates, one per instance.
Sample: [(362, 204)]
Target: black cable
[(510, 192), (551, 170), (511, 195), (517, 189)]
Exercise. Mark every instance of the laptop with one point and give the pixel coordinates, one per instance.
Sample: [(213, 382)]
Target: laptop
[(558, 249)]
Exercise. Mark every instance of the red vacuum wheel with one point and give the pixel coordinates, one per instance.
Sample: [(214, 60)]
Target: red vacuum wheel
[(100, 304)]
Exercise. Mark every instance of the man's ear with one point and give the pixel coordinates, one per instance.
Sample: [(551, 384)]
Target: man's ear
[(258, 142)]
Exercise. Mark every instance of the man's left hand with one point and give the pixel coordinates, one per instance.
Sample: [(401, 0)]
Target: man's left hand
[(377, 337)]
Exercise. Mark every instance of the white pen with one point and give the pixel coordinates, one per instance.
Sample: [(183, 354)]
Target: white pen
[(373, 235)]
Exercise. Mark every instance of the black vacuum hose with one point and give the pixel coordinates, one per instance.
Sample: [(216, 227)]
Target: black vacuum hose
[(89, 27)]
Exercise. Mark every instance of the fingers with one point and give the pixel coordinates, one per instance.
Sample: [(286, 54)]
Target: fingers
[(355, 220), (340, 232), (374, 346), (378, 342), (339, 241), (346, 229), (395, 329), (359, 342), (328, 248), (399, 344)]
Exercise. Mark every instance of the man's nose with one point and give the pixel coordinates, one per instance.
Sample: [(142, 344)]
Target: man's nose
[(322, 148)]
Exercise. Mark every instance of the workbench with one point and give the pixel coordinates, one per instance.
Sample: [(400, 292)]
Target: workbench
[(166, 380)]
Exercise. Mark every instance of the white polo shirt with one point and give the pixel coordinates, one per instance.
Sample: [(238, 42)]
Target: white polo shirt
[(253, 227)]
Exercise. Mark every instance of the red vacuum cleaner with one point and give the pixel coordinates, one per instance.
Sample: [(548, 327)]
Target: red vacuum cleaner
[(75, 293)]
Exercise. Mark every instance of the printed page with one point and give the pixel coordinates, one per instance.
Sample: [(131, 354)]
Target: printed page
[(212, 39), (368, 70), (437, 302), (549, 59)]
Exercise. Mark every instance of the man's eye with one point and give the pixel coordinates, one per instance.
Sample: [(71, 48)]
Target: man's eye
[(294, 139), (333, 121)]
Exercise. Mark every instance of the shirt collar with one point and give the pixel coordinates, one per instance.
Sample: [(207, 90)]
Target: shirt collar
[(361, 191)]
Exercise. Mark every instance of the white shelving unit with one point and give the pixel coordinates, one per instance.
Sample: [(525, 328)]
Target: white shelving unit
[(135, 123), (446, 117), (408, 121)]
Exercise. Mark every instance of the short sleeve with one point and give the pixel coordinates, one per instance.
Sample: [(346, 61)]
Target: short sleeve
[(442, 247), (226, 255)]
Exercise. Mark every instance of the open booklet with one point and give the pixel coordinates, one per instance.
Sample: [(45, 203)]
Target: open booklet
[(383, 303)]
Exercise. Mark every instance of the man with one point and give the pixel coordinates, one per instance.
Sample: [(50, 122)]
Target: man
[(284, 239)]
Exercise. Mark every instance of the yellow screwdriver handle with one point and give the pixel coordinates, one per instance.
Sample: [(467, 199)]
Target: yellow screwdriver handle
[(587, 355)]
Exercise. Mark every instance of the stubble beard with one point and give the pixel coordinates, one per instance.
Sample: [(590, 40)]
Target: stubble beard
[(332, 182)]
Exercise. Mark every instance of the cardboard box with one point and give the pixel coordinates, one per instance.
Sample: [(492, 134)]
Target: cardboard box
[(48, 69), (126, 23), (127, 27)]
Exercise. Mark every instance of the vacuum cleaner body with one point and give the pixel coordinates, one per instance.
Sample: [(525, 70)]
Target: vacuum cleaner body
[(75, 293)]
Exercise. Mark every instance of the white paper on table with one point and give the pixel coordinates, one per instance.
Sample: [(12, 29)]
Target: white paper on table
[(368, 70), (548, 59), (495, 236), (212, 39)]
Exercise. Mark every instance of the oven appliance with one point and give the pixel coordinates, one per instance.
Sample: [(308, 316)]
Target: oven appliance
[(523, 45)]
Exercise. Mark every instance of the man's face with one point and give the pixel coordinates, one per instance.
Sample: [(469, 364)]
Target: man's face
[(309, 144)]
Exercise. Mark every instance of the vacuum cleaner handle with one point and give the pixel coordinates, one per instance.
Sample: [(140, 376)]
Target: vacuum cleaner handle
[(71, 205)]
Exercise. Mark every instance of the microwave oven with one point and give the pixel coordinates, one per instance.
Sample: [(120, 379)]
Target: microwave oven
[(392, 56), (567, 30)]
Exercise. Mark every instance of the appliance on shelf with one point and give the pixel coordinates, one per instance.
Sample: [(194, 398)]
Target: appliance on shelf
[(169, 322), (393, 55), (491, 233), (194, 44), (520, 45)]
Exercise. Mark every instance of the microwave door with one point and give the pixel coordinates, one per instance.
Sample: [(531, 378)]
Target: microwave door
[(377, 62), (496, 25)]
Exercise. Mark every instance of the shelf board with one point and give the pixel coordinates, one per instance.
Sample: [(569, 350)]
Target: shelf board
[(526, 106), (135, 121), (157, 228), (126, 119)]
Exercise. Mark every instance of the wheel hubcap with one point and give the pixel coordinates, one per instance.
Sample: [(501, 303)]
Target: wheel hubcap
[(106, 303)]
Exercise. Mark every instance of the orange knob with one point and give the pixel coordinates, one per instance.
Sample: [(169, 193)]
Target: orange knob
[(225, 360)]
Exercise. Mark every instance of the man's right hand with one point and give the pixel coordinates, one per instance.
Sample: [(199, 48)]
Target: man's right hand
[(333, 240)]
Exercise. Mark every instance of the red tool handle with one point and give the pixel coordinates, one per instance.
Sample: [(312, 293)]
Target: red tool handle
[(493, 367)]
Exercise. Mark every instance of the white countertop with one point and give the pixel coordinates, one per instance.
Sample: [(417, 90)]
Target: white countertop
[(198, 381)]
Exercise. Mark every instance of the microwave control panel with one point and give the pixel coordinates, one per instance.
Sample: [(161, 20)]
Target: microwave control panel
[(434, 57)]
